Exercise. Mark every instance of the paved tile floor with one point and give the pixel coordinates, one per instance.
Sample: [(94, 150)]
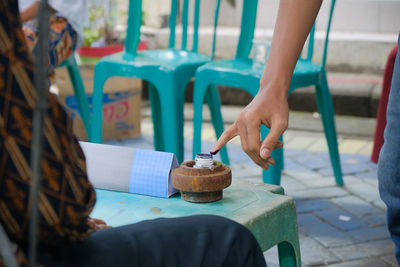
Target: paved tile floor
[(338, 226)]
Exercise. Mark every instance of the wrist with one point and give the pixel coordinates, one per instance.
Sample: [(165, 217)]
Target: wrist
[(273, 77), (276, 88)]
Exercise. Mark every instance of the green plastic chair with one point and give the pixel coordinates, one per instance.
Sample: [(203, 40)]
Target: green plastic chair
[(167, 71), (79, 89), (238, 73)]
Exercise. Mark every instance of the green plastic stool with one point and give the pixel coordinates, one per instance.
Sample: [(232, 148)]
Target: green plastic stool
[(262, 208)]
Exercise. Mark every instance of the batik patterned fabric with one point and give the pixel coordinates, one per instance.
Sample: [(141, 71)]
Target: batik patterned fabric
[(66, 197), (62, 40)]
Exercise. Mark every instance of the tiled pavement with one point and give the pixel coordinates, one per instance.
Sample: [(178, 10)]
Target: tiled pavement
[(338, 226)]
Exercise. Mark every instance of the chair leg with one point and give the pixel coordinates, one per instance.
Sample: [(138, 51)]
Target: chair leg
[(156, 117), (171, 103), (289, 248), (99, 79), (213, 101), (200, 88), (287, 254), (283, 232), (325, 107), (274, 173), (79, 91)]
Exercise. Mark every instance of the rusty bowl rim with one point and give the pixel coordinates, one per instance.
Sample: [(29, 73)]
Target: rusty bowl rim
[(187, 166)]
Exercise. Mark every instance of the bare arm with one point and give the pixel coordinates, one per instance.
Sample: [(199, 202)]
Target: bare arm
[(269, 107), (30, 12)]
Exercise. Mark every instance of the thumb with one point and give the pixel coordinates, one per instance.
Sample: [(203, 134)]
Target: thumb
[(271, 141)]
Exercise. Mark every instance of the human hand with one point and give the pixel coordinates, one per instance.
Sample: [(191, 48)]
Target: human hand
[(97, 224), (269, 107)]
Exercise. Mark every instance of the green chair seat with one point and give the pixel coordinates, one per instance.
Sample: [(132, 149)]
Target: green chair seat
[(242, 67), (171, 58)]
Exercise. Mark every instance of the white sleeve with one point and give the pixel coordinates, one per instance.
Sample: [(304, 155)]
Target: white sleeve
[(24, 4), (76, 11)]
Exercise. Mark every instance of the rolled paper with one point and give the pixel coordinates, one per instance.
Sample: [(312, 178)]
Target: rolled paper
[(130, 170)]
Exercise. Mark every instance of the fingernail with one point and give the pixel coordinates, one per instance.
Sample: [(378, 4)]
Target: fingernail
[(214, 152), (265, 153), (271, 161)]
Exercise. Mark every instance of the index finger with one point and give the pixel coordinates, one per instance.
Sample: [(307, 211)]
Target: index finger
[(225, 137), (98, 221)]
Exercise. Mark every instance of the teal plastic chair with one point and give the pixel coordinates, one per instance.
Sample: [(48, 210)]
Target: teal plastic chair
[(79, 90), (238, 73), (167, 71)]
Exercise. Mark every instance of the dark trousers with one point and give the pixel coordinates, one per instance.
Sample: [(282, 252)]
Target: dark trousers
[(202, 240)]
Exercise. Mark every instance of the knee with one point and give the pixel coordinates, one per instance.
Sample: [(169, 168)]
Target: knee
[(220, 222), (228, 226)]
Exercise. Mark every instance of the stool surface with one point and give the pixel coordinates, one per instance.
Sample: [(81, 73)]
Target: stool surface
[(243, 202)]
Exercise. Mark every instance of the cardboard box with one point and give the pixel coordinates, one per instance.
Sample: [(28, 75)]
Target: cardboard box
[(121, 104)]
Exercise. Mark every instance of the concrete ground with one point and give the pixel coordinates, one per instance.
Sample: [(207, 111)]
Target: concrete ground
[(338, 226)]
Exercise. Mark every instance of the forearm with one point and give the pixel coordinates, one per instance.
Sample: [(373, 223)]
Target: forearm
[(294, 21), (270, 107), (30, 13)]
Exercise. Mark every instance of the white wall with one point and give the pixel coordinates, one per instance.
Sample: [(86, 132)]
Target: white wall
[(363, 31), (372, 16)]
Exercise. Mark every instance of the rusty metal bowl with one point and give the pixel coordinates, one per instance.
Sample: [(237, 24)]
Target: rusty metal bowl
[(201, 185)]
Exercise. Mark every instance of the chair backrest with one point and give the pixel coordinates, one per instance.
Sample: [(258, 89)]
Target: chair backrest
[(248, 23), (310, 48), (134, 22), (135, 18)]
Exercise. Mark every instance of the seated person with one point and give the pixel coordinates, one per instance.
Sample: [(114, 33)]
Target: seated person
[(67, 235), (67, 19)]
